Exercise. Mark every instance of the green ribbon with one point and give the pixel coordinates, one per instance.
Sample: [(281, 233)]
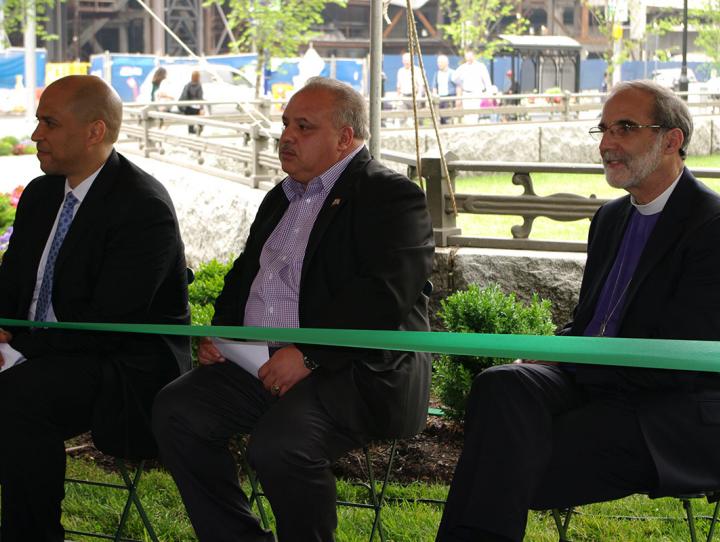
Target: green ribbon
[(645, 353)]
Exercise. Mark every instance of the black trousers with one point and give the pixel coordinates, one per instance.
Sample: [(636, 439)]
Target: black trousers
[(43, 402), (536, 440), (293, 443), (192, 128)]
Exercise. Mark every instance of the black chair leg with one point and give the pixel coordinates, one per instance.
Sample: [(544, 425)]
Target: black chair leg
[(562, 523), (255, 493), (713, 522), (130, 484), (376, 499), (687, 505)]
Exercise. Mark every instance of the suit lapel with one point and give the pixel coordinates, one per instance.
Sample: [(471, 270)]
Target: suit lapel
[(618, 221), (267, 223), (336, 200), (44, 218), (669, 227), (91, 211)]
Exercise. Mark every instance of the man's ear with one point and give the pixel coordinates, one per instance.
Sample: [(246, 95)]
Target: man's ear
[(673, 141), (347, 136), (96, 133)]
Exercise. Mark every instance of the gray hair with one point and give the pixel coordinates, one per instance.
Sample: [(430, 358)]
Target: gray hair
[(350, 108), (669, 111)]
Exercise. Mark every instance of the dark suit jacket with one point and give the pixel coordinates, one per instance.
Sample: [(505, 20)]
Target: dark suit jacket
[(121, 261), (674, 294), (368, 258)]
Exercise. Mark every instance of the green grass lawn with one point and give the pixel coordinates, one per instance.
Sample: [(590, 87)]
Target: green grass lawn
[(546, 184), (92, 508)]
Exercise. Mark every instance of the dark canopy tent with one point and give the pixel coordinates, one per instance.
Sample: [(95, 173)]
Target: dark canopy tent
[(541, 62)]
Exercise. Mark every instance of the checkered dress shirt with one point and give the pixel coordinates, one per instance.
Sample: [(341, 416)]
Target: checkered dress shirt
[(274, 294)]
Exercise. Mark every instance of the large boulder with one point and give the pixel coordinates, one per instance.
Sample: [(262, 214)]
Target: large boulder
[(552, 275)]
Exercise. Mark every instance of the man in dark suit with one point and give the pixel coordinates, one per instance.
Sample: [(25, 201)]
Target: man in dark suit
[(95, 240), (539, 435), (342, 242)]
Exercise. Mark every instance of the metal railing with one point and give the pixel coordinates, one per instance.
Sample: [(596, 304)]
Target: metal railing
[(529, 206), (247, 150), (567, 106), (244, 139)]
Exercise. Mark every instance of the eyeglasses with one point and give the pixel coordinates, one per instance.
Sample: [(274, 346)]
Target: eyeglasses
[(619, 130)]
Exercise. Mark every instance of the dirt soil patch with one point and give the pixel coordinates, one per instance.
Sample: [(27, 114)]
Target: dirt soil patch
[(429, 457)]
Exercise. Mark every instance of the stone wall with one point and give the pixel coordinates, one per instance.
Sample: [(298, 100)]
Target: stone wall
[(555, 276), (564, 142)]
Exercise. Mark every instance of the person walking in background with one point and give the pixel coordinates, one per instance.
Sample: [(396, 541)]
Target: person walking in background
[(404, 86), (193, 91), (443, 85), (512, 87), (473, 80), (155, 93)]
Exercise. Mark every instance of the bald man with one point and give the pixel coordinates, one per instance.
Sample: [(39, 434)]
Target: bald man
[(95, 240)]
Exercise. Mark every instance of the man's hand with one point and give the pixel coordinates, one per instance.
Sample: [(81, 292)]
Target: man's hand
[(207, 353), (283, 370), (5, 337)]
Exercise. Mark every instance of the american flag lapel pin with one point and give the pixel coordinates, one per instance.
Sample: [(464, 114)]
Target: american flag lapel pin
[(335, 202)]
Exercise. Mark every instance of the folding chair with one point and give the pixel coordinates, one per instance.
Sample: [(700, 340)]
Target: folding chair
[(129, 484), (562, 517), (711, 496), (376, 498)]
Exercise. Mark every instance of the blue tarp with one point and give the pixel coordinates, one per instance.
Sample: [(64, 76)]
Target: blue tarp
[(347, 70), (12, 64), (127, 72)]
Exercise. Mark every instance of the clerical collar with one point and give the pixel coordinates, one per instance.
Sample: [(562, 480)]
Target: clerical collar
[(658, 204)]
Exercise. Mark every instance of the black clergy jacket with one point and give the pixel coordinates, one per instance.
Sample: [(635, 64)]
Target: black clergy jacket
[(674, 294)]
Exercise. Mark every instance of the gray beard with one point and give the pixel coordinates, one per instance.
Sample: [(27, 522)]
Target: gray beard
[(639, 167)]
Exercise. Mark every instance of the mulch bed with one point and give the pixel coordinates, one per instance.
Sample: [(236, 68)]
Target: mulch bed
[(429, 457)]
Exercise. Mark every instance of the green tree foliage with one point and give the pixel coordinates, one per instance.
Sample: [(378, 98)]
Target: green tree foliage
[(7, 213), (204, 290), (202, 293), (15, 16), (486, 310), (273, 28), (707, 24), (607, 22), (475, 24)]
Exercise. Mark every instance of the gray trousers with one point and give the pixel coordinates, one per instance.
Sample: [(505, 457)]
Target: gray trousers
[(293, 443), (534, 439)]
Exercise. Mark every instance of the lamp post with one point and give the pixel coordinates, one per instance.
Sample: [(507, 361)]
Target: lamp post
[(683, 83), (376, 21)]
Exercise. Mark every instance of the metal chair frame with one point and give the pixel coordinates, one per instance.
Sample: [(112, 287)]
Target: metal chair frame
[(376, 498), (130, 484), (562, 517)]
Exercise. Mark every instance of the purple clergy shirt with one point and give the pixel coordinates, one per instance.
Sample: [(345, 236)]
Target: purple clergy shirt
[(606, 320), (274, 294)]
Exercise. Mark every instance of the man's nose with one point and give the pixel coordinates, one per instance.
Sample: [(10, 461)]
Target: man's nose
[(287, 134), (37, 134), (607, 141)]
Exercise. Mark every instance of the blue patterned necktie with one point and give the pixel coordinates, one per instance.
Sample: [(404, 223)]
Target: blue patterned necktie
[(45, 295)]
